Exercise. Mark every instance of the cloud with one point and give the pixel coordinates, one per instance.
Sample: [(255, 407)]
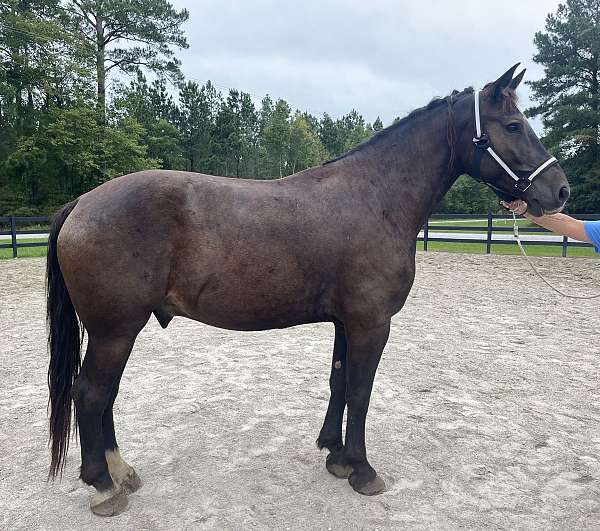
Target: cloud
[(381, 57)]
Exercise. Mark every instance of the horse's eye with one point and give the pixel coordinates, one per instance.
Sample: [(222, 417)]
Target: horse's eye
[(514, 127)]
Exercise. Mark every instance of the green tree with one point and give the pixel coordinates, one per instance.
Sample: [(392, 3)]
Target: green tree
[(331, 135), (128, 35), (39, 65), (467, 196), (71, 153), (41, 71), (235, 135), (147, 103), (343, 134), (568, 96), (264, 116), (196, 123), (249, 128), (122, 150), (227, 137), (164, 144), (152, 106), (305, 148), (355, 130), (276, 140)]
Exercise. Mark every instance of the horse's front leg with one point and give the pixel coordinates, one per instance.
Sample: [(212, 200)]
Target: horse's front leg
[(365, 346)]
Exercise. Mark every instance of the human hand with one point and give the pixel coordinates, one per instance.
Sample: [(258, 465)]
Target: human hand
[(517, 206)]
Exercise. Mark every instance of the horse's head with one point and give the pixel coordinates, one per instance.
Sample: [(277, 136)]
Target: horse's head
[(504, 152)]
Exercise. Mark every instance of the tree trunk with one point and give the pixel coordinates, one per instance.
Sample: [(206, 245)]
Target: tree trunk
[(100, 68), (595, 96), (19, 106)]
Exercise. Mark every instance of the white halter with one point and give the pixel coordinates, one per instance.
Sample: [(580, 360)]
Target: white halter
[(482, 142)]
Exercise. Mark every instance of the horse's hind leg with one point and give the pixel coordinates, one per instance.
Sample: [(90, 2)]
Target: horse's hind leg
[(92, 392), (330, 436), (120, 471)]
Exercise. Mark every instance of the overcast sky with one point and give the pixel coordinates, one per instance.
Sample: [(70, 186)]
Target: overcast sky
[(381, 57)]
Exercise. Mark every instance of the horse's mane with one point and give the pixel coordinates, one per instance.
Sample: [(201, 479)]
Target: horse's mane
[(510, 100)]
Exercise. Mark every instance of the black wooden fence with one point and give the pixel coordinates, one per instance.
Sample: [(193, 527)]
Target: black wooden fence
[(15, 242), (430, 230)]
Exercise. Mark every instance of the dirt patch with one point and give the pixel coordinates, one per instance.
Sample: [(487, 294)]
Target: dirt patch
[(485, 413)]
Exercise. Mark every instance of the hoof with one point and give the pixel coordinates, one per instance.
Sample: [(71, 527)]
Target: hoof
[(109, 503), (370, 488), (339, 470), (131, 482)]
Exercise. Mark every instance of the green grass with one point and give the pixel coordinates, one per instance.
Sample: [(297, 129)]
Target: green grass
[(531, 250), (24, 252), (436, 225), (480, 248)]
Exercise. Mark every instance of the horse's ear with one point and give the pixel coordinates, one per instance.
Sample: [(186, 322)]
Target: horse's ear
[(502, 82), (516, 81)]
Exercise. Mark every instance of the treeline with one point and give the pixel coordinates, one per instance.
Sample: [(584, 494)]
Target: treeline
[(70, 150), (63, 131), (68, 123)]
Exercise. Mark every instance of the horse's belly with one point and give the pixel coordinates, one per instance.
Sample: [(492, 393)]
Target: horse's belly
[(252, 304), (245, 323), (239, 317)]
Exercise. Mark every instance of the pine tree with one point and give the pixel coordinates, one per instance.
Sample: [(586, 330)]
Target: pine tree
[(196, 122), (276, 139), (305, 148), (149, 27), (249, 126), (568, 96), (331, 136)]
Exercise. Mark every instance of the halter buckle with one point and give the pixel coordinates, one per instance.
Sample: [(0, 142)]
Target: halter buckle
[(483, 142), (522, 184)]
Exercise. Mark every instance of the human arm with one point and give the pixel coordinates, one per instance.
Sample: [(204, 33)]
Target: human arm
[(560, 223)]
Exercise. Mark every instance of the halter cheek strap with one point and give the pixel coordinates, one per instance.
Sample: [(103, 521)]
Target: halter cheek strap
[(482, 145)]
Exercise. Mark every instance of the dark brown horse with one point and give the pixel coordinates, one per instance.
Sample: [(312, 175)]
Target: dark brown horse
[(334, 243)]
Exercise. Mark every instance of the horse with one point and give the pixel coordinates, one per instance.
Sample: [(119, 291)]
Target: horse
[(334, 243)]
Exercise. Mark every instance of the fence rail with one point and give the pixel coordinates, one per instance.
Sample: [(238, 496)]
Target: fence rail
[(14, 234), (429, 235), (489, 229)]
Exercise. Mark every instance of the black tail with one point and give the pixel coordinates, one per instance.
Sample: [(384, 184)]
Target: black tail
[(64, 340)]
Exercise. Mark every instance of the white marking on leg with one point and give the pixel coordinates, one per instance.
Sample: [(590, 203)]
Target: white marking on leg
[(118, 469), (122, 473)]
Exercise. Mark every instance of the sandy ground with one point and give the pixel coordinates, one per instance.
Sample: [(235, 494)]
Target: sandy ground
[(485, 413)]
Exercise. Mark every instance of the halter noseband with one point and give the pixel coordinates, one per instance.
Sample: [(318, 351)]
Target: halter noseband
[(482, 144)]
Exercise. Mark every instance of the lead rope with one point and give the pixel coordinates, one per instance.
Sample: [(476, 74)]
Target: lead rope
[(516, 235)]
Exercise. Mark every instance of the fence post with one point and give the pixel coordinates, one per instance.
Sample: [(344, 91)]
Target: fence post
[(13, 235), (425, 234), (565, 245), (488, 244)]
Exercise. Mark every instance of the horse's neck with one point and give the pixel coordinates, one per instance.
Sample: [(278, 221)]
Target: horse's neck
[(410, 167)]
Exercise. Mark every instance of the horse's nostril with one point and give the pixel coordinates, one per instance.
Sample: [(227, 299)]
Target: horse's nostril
[(563, 194)]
